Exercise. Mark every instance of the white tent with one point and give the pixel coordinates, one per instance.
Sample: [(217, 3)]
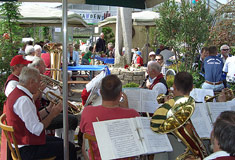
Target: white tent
[(36, 15), (144, 18)]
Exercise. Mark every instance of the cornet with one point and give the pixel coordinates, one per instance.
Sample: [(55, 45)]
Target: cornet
[(54, 98)]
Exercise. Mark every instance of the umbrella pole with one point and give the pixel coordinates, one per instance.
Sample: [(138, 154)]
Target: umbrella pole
[(65, 78)]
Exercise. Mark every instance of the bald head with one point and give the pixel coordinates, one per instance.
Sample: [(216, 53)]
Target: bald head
[(102, 35)]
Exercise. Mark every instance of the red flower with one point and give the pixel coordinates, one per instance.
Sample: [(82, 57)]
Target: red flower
[(126, 66)]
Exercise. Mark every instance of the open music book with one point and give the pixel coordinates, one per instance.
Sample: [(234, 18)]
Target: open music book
[(205, 115), (198, 94), (142, 100), (129, 137)]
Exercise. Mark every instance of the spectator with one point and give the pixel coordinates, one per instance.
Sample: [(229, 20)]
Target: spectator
[(110, 52), (139, 59), (224, 52), (167, 54), (199, 60), (38, 50), (159, 58), (87, 56), (100, 45), (213, 66), (145, 50)]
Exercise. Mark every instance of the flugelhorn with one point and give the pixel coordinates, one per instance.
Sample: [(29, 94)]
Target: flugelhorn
[(51, 82), (54, 98), (228, 95)]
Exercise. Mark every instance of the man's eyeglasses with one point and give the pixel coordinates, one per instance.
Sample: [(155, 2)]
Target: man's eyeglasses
[(158, 59), (225, 49)]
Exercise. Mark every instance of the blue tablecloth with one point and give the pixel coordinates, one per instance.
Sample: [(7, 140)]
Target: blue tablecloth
[(89, 68), (105, 60)]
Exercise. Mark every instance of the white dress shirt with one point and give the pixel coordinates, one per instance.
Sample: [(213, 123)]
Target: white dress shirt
[(27, 111), (216, 155), (230, 69), (160, 88), (11, 85)]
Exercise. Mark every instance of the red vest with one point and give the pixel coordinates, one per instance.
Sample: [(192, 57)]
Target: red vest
[(21, 133), (10, 77)]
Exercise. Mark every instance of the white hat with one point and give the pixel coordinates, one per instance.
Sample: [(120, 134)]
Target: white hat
[(152, 53)]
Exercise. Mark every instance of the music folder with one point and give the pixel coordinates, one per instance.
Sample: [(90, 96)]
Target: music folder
[(129, 137)]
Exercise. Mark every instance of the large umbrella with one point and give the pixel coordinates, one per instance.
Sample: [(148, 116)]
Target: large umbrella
[(141, 4)]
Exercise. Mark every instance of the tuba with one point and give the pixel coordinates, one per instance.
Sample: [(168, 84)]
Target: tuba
[(174, 116)]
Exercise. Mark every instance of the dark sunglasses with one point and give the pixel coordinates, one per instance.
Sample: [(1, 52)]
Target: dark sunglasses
[(225, 49), (158, 59)]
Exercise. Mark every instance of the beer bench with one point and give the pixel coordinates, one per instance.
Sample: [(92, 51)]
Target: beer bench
[(78, 82)]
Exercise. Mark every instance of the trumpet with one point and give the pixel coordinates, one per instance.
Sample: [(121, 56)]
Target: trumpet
[(228, 96), (54, 98), (161, 97), (51, 82)]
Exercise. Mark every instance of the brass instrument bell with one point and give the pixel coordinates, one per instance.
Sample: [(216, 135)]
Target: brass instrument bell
[(174, 116)]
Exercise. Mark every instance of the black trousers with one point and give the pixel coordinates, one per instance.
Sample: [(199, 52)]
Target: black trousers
[(57, 122), (53, 147)]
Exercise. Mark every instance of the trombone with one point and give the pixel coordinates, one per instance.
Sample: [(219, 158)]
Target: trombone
[(51, 82), (54, 98)]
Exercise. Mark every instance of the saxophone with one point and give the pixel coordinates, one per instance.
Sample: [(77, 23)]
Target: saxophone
[(174, 116)]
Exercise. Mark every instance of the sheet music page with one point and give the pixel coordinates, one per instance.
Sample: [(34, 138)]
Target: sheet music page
[(134, 98), (95, 80), (199, 94), (117, 139), (231, 104), (149, 100), (201, 121), (152, 142), (216, 108)]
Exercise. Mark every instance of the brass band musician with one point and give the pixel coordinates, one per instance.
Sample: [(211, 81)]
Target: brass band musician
[(183, 84), (29, 124)]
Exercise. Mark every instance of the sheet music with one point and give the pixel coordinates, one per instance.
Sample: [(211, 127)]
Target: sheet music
[(201, 121), (134, 98), (199, 94), (149, 100), (153, 142), (142, 100), (231, 104), (117, 139), (97, 79), (216, 108)]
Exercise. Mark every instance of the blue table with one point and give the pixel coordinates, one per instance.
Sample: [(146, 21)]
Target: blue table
[(105, 60), (90, 68)]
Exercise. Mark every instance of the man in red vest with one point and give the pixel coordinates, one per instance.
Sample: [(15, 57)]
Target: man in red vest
[(17, 63), (29, 124), (156, 79)]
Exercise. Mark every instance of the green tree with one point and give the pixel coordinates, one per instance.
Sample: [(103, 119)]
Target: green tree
[(183, 23), (9, 44), (108, 35)]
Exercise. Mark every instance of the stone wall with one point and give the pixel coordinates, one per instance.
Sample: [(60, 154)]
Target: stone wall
[(130, 75)]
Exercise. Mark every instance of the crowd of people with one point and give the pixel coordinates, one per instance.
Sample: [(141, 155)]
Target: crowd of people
[(29, 114)]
